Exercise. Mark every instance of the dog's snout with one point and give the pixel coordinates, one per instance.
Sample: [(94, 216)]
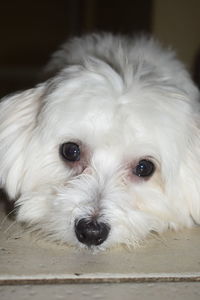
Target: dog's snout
[(91, 232)]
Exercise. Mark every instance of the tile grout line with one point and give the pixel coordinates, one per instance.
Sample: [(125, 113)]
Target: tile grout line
[(99, 278)]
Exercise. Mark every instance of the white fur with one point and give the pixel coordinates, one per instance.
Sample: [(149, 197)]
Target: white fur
[(122, 99)]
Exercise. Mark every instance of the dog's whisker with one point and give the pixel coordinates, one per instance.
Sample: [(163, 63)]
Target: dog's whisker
[(7, 216), (9, 227), (16, 234)]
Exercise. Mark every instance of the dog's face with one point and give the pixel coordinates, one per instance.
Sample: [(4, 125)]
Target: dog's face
[(92, 162)]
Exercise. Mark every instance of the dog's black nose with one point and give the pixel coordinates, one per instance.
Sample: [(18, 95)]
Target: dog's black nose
[(90, 232)]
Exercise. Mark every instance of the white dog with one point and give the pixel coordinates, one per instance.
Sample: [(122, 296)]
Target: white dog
[(108, 150)]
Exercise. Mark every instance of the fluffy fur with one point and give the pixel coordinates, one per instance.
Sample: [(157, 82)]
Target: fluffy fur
[(121, 100)]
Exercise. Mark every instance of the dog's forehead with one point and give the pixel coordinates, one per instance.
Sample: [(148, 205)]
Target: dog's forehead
[(100, 119), (101, 114)]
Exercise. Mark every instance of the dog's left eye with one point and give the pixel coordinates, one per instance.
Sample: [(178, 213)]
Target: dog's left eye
[(145, 168), (70, 151)]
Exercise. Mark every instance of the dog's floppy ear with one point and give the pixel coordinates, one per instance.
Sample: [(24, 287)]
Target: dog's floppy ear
[(18, 115), (190, 173)]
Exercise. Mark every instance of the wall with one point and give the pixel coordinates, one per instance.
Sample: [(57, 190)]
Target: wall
[(177, 23)]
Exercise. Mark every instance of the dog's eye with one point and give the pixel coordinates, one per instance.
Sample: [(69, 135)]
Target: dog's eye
[(70, 151), (145, 168)]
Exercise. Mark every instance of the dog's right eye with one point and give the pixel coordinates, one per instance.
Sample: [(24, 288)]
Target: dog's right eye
[(145, 168), (70, 151)]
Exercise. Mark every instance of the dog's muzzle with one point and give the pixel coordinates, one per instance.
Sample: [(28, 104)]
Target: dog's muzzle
[(91, 232)]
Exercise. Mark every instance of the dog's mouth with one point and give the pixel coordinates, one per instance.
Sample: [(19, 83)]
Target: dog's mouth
[(91, 232)]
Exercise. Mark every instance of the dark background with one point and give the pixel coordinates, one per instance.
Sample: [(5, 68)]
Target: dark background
[(31, 30)]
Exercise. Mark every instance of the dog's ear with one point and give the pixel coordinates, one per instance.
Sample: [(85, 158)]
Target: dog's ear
[(18, 114), (190, 174)]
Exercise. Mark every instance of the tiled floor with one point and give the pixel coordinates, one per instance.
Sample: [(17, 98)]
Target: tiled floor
[(107, 291), (34, 269)]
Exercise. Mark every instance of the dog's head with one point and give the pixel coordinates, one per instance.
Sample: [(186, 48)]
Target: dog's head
[(100, 155)]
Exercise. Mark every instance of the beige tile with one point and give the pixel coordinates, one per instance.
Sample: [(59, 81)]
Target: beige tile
[(125, 291)]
